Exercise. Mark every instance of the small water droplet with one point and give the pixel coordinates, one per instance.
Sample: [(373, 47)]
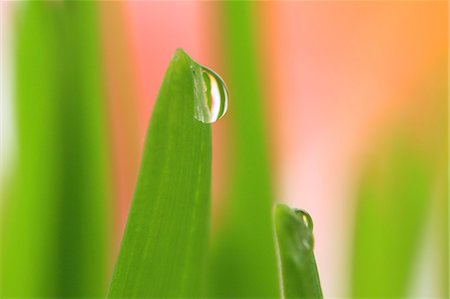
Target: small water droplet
[(307, 237), (305, 217), (211, 96)]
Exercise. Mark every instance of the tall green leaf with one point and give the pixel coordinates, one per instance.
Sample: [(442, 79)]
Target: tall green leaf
[(54, 234), (164, 247), (298, 270), (244, 261)]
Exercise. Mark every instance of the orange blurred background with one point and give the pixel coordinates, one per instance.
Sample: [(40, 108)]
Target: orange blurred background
[(336, 77)]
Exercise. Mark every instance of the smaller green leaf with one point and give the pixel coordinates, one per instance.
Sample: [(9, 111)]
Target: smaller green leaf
[(295, 242)]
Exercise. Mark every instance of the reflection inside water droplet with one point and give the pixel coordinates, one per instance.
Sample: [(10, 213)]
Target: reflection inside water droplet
[(211, 95), (308, 243), (305, 218)]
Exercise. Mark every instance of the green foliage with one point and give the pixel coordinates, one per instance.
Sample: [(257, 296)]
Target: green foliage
[(164, 247), (243, 257), (298, 270), (55, 219), (54, 227)]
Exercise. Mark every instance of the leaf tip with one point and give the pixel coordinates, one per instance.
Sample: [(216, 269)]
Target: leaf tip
[(181, 54)]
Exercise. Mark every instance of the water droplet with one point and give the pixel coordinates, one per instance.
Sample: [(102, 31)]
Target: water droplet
[(211, 95), (306, 237), (305, 217)]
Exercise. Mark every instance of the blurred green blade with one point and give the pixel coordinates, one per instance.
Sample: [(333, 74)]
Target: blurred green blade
[(393, 201), (164, 246), (299, 277), (244, 260), (28, 219), (54, 230)]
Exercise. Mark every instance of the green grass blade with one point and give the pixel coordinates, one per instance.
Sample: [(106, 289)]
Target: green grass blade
[(165, 242), (85, 185), (244, 260), (298, 275), (393, 202), (403, 199), (54, 232)]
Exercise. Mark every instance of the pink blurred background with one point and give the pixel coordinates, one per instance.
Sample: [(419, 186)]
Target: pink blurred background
[(337, 75)]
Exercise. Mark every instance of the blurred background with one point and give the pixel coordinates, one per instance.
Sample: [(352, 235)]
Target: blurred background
[(338, 108)]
